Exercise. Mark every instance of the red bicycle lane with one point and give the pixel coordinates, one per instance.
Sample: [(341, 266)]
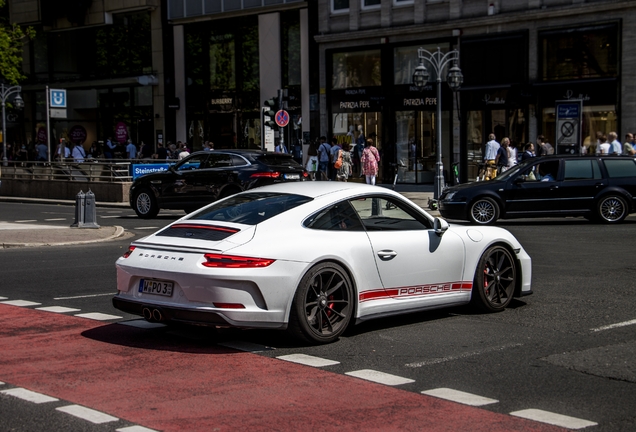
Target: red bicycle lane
[(163, 382)]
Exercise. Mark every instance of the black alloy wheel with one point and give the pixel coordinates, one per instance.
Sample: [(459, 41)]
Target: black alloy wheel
[(495, 279), (483, 211), (145, 204), (323, 304), (612, 209)]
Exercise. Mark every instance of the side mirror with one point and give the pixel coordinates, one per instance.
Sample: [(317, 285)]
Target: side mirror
[(440, 226)]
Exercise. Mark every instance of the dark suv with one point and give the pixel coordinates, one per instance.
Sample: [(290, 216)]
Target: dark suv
[(600, 188), (204, 177)]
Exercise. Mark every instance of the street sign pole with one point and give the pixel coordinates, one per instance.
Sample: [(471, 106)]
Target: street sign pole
[(48, 125)]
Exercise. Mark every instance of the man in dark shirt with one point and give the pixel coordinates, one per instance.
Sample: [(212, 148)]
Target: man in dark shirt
[(502, 156), (162, 153)]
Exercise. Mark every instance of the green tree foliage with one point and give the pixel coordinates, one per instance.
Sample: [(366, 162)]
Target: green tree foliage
[(12, 38)]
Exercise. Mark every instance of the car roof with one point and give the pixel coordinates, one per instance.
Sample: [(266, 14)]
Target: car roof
[(252, 152), (315, 189)]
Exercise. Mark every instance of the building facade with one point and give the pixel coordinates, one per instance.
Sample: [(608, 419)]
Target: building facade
[(108, 56), (518, 58), (229, 58)]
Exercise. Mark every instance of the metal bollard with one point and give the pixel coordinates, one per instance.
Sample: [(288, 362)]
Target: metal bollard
[(85, 211), (80, 200), (90, 212)]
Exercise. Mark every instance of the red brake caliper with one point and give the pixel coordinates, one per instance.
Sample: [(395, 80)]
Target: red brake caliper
[(486, 280)]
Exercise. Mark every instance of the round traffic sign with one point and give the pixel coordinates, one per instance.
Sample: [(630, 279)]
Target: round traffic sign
[(282, 118)]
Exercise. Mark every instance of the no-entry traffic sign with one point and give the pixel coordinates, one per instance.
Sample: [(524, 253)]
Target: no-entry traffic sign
[(282, 118)]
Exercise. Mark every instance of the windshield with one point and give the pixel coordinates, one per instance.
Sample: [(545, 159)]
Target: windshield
[(512, 171), (250, 208)]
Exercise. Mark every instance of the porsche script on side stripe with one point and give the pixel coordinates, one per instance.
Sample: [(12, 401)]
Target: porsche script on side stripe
[(314, 258)]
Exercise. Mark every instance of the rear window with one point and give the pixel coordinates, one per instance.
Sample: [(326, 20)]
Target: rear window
[(620, 167), (277, 159), (585, 169), (250, 208)]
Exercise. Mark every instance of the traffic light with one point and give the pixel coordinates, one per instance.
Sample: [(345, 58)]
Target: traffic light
[(269, 112)]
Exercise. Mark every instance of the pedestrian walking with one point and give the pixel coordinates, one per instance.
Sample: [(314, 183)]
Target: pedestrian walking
[(323, 159), (333, 157), (490, 157), (312, 160), (344, 172), (369, 161)]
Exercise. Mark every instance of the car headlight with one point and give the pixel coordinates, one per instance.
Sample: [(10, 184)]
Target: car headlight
[(450, 195)]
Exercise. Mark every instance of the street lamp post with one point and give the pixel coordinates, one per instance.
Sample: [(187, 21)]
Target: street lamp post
[(455, 79), (5, 92)]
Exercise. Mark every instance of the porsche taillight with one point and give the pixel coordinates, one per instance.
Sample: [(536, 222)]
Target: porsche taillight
[(233, 261), (129, 251)]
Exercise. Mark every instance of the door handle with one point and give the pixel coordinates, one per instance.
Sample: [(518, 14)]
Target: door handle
[(387, 255)]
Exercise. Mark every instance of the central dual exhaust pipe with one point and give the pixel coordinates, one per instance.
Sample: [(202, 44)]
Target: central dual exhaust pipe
[(152, 315)]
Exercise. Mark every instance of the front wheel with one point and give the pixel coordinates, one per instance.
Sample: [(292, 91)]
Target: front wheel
[(484, 211), (495, 279), (612, 209), (145, 204), (323, 304)]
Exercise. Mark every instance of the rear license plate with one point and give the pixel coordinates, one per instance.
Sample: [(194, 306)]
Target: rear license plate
[(292, 176), (153, 286)]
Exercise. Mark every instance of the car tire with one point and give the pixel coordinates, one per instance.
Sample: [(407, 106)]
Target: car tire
[(495, 280), (483, 211), (145, 204), (323, 304), (611, 209)]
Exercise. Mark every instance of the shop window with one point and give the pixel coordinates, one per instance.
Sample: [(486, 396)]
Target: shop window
[(598, 121), (584, 52), (339, 5), (356, 69), (291, 49), (222, 62), (495, 60), (250, 58), (405, 60)]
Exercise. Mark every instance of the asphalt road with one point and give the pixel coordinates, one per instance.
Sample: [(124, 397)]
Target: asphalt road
[(568, 349)]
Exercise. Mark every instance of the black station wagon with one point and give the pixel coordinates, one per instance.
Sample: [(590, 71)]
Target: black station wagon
[(599, 188), (206, 176)]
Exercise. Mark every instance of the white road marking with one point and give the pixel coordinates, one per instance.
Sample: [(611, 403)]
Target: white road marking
[(135, 429), (3, 298), (461, 356), (246, 346), (1, 383), (20, 303), (140, 323), (26, 220), (98, 316), (29, 395), (553, 419), (110, 217), (58, 309), (84, 296), (145, 228), (88, 414), (460, 397), (617, 325), (55, 219), (308, 360), (379, 377)]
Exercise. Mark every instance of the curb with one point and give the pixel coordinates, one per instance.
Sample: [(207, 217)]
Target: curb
[(119, 232)]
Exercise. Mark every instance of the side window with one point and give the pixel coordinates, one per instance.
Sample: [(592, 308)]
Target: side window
[(388, 214), (620, 167), (219, 160), (339, 217), (581, 170), (194, 162), (238, 161)]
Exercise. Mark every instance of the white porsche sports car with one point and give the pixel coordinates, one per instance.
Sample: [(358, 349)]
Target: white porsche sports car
[(314, 257)]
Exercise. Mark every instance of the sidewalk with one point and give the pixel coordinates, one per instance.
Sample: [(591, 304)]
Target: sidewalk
[(29, 235)]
